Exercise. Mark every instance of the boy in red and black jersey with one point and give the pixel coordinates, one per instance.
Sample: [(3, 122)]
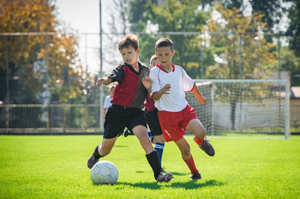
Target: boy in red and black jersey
[(127, 103)]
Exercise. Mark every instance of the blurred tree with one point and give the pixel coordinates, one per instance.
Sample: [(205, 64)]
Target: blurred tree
[(289, 62), (172, 16), (119, 26), (293, 30), (273, 10), (27, 54), (238, 31)]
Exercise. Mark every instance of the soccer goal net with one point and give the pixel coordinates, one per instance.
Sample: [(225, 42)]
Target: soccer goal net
[(243, 106)]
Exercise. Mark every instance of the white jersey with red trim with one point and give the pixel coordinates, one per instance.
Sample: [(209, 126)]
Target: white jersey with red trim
[(179, 81)]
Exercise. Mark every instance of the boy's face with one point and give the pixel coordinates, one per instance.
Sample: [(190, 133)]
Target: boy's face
[(130, 55), (164, 56), (111, 90), (153, 63)]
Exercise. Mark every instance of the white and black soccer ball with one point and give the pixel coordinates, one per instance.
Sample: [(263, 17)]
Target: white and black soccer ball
[(104, 172)]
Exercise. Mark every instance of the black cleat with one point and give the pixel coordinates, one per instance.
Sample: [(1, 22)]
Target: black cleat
[(164, 177), (196, 176), (92, 161), (127, 132), (207, 147)]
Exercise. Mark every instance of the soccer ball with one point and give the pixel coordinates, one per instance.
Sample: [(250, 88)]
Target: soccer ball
[(104, 172)]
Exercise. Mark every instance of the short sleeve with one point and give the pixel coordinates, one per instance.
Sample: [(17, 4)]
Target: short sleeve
[(155, 85), (188, 83), (117, 74)]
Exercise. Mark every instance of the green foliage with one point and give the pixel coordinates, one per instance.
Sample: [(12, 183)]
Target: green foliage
[(55, 167), (28, 56), (294, 28), (289, 62), (235, 33), (273, 10), (172, 16)]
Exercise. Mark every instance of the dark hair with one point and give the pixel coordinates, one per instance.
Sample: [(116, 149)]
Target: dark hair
[(164, 42), (152, 58), (129, 40)]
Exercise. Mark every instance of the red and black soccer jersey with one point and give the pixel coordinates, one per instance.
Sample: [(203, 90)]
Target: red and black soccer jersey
[(130, 91)]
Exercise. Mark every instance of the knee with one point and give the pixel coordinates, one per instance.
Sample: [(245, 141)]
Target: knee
[(201, 133), (145, 139), (186, 150)]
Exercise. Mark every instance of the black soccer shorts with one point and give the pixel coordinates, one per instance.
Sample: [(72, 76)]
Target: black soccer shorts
[(119, 117), (153, 122)]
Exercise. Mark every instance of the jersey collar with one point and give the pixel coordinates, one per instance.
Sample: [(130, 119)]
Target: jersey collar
[(164, 69), (132, 69)]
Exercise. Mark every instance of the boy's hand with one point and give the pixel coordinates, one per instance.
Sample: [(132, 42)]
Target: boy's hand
[(147, 82), (202, 100), (99, 82), (165, 89)]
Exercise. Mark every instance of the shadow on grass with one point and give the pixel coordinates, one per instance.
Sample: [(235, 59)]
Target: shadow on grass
[(193, 184), (173, 173), (121, 146)]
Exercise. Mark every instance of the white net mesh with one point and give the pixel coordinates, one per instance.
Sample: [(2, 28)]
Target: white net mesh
[(243, 106)]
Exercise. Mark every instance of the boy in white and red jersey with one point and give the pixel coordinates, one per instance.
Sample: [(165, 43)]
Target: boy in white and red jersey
[(168, 90), (126, 109)]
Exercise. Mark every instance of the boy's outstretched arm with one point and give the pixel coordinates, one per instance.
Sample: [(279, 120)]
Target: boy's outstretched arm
[(200, 98), (104, 81), (164, 90)]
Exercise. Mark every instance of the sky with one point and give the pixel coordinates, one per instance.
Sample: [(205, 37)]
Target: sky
[(83, 16)]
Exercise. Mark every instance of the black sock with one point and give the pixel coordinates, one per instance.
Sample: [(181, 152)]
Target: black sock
[(96, 154), (154, 163)]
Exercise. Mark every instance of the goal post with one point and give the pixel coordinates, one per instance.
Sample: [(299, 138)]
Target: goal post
[(243, 106)]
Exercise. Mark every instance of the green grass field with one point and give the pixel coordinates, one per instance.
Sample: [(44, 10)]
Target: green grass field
[(243, 167)]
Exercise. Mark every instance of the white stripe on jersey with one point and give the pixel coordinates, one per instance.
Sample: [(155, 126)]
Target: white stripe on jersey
[(179, 81)]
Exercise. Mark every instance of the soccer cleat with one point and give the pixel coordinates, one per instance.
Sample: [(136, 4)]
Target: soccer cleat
[(92, 161), (127, 132), (196, 176), (164, 177), (207, 147)]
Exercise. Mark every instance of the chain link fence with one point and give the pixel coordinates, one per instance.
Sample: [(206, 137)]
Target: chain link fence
[(53, 99)]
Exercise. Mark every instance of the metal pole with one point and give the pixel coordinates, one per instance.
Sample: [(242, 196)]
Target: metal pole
[(47, 62), (241, 77), (48, 92), (287, 133), (101, 75), (86, 70), (240, 51), (201, 57), (7, 85), (86, 84), (6, 64), (279, 75)]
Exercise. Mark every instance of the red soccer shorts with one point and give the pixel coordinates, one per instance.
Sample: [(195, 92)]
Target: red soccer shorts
[(173, 123)]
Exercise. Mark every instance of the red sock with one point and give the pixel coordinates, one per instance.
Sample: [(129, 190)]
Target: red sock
[(191, 164), (198, 141)]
